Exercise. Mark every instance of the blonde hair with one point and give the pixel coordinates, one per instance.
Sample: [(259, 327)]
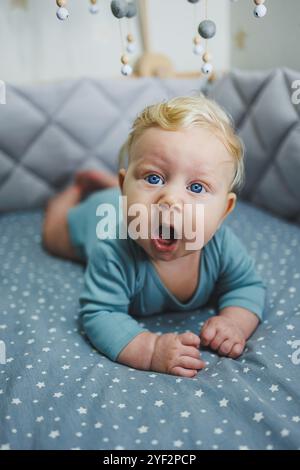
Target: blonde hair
[(185, 112)]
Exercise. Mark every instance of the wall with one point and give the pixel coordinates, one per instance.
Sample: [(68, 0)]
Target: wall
[(35, 46), (271, 41)]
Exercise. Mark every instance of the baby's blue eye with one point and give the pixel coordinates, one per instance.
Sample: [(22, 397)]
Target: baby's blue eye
[(197, 188), (153, 179)]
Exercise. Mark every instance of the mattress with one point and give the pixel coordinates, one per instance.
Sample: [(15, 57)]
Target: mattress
[(57, 392)]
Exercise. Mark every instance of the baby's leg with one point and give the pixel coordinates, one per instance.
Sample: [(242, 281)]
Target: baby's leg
[(55, 236)]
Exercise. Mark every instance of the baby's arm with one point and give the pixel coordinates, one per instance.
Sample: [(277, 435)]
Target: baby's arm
[(241, 300), (109, 284), (138, 353), (228, 332), (169, 353)]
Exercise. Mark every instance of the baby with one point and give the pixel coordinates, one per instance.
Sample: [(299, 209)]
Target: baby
[(180, 152)]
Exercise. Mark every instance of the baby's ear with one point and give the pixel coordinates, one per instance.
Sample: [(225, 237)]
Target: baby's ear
[(121, 175), (231, 201)]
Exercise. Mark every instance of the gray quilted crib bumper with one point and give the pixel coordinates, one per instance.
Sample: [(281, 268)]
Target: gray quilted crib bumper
[(49, 131), (56, 391)]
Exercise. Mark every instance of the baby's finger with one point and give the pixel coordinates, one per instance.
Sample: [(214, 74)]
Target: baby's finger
[(207, 334), (183, 372), (236, 351), (190, 351), (218, 340), (189, 339), (191, 363), (225, 347)]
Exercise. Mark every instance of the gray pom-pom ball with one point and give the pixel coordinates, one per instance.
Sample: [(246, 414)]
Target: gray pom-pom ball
[(193, 1), (119, 8), (207, 29), (131, 10)]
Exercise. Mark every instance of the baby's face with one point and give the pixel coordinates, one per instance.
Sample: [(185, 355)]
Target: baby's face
[(190, 166)]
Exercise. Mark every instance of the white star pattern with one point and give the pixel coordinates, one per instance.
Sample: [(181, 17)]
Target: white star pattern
[(5, 447), (178, 443), (16, 401), (185, 414), (218, 431), (77, 398), (40, 384), (223, 402), (159, 403), (143, 429), (258, 417)]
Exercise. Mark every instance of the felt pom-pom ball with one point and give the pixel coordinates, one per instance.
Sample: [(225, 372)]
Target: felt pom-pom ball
[(126, 69), (131, 10), (119, 8), (62, 14), (193, 1), (131, 47), (207, 29), (260, 11), (198, 49), (206, 68), (94, 9)]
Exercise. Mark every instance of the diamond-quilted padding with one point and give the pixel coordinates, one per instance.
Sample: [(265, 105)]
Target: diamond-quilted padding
[(108, 148), (6, 166), (255, 155), (26, 187), (50, 97), (268, 125), (88, 115), (288, 162), (48, 131), (225, 93), (282, 201), (274, 113), (63, 155), (20, 124), (248, 86)]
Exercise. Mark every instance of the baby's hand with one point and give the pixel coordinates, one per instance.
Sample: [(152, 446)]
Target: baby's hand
[(224, 336), (177, 354)]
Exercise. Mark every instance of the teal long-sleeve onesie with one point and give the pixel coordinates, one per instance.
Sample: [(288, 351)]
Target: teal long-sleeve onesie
[(122, 285)]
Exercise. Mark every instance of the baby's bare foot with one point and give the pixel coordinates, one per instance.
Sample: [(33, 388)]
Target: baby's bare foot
[(92, 180)]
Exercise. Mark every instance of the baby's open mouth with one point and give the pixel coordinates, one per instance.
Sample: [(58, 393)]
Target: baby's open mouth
[(165, 239), (166, 234)]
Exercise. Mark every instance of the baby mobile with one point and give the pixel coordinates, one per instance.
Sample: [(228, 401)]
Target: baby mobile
[(127, 9), (207, 30)]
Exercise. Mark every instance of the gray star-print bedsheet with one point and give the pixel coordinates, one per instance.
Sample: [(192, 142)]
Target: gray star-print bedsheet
[(57, 392)]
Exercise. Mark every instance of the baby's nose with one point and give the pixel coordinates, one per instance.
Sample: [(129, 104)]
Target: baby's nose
[(170, 201)]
